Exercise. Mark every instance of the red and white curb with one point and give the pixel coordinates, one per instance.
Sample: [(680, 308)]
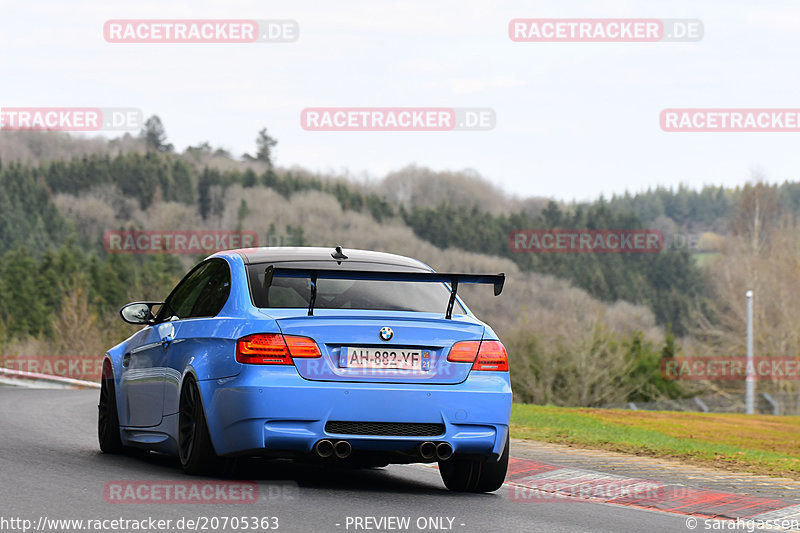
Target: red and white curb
[(533, 481), (21, 378)]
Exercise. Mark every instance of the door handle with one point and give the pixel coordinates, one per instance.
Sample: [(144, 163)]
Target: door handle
[(165, 341), (126, 359)]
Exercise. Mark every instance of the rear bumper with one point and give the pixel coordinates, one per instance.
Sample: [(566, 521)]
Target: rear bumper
[(273, 409)]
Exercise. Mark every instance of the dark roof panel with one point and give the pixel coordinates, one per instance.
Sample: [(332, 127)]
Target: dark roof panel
[(308, 253)]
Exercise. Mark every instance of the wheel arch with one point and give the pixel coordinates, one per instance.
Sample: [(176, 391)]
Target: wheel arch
[(190, 373)]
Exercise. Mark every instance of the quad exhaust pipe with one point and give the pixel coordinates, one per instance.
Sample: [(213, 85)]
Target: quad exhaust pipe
[(444, 451), (427, 450), (326, 448), (430, 450), (342, 449)]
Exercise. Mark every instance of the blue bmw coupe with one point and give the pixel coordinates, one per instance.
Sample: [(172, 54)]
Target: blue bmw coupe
[(344, 356)]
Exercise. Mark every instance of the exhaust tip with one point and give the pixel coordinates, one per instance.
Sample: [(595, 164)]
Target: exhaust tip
[(444, 451), (324, 448), (427, 450), (342, 449)]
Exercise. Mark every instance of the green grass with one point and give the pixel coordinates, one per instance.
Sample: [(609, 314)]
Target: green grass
[(761, 444), (705, 258)]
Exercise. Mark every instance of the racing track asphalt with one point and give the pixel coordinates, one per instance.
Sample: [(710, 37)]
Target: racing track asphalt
[(50, 466)]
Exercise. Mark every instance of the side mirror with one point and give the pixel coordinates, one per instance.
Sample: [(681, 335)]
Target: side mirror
[(139, 313)]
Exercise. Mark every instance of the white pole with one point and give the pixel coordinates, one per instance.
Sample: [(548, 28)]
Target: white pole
[(750, 382)]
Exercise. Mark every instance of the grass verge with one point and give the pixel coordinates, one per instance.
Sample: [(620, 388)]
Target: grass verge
[(752, 443)]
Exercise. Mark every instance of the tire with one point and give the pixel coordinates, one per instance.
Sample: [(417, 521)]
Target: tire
[(195, 448), (108, 432), (474, 475)]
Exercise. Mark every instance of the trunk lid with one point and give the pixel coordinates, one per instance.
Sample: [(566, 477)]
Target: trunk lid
[(427, 336)]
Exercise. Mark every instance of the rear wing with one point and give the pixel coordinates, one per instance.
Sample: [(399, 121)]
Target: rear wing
[(496, 280)]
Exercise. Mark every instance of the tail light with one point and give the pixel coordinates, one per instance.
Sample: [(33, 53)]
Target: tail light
[(274, 349), (484, 355), (464, 352), (492, 355)]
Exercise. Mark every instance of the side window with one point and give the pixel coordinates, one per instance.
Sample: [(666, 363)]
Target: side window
[(183, 298), (215, 293)]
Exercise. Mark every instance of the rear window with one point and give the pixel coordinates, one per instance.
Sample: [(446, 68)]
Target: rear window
[(349, 294)]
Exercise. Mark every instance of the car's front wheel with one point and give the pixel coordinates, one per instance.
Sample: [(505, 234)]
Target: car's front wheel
[(195, 449), (474, 475)]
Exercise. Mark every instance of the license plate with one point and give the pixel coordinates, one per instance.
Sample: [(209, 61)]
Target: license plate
[(388, 358)]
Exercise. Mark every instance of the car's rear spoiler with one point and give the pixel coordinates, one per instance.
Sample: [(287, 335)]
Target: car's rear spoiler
[(454, 280)]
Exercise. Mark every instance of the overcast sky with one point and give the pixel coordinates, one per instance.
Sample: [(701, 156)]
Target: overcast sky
[(574, 120)]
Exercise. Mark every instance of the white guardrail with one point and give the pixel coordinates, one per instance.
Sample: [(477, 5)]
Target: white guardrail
[(34, 379)]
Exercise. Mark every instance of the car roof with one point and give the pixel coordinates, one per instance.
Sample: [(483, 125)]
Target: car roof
[(309, 253)]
